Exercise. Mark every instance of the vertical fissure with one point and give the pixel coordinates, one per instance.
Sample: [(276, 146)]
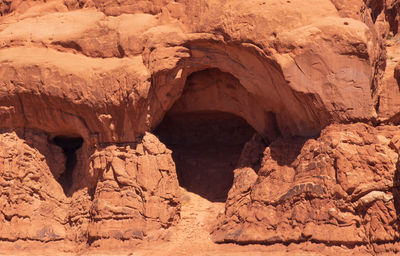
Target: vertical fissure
[(69, 146)]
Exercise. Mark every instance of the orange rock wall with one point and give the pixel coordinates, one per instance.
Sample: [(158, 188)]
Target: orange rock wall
[(316, 79)]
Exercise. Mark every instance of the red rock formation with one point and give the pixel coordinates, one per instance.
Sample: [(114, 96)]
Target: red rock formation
[(118, 192), (341, 188), (84, 84)]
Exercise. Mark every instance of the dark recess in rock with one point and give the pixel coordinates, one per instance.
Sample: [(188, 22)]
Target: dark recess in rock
[(69, 145), (206, 147)]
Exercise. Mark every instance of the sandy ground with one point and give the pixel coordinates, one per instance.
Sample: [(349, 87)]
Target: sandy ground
[(192, 236)]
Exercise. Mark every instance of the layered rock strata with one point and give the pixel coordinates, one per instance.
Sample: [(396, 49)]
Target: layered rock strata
[(85, 84)]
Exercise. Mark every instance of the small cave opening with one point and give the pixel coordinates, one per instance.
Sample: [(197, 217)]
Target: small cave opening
[(69, 146), (206, 146)]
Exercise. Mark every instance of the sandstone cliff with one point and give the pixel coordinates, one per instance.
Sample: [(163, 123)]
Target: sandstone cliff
[(179, 127)]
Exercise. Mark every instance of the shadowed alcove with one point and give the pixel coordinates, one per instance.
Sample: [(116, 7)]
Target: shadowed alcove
[(206, 129), (206, 147), (69, 146)]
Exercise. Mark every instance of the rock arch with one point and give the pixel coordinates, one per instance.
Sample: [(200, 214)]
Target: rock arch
[(207, 127), (276, 103), (233, 83)]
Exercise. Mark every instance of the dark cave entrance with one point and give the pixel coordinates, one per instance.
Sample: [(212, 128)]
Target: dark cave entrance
[(206, 147), (69, 146)]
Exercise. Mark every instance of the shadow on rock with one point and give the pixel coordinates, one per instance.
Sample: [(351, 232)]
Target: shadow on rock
[(285, 151), (396, 193)]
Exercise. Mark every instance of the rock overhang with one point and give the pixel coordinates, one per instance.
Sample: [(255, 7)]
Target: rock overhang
[(306, 89), (111, 83)]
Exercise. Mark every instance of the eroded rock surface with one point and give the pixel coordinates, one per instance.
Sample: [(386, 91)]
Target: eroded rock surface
[(311, 85), (135, 193), (99, 62), (341, 188)]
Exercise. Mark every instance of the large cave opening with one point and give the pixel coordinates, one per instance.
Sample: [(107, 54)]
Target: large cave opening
[(213, 125), (207, 128), (69, 146), (206, 146)]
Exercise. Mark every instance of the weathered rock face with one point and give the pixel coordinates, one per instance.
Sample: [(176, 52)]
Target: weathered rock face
[(134, 193), (342, 188), (33, 205), (304, 61), (84, 84)]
